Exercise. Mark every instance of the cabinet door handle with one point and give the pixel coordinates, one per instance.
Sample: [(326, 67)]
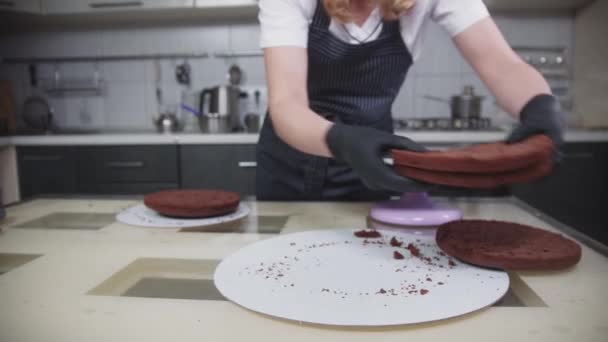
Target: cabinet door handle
[(579, 155), (125, 164), (102, 5), (42, 158), (10, 4), (248, 164)]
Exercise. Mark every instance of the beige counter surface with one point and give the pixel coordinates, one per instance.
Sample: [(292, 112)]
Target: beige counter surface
[(72, 284), (431, 137)]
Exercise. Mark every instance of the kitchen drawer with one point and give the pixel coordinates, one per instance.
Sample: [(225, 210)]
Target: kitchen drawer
[(125, 188), (46, 170), (127, 164), (228, 167)]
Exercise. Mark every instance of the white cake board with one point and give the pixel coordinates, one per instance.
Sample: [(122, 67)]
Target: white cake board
[(142, 216), (334, 278)]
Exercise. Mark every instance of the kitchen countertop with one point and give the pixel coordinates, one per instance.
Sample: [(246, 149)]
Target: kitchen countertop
[(242, 138), (71, 284)]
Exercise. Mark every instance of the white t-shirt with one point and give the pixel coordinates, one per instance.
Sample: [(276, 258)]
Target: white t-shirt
[(286, 22)]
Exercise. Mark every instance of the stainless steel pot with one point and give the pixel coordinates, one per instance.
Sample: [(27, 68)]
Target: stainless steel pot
[(467, 105)]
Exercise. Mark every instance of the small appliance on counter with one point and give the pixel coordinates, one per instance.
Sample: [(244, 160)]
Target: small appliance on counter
[(219, 108)]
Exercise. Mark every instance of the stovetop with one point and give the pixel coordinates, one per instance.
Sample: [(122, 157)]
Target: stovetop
[(445, 124)]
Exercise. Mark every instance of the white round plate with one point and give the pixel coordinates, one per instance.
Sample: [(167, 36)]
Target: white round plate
[(142, 216), (334, 278)]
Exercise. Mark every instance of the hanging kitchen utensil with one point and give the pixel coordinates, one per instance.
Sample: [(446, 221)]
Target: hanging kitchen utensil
[(464, 106), (235, 75), (182, 73), (36, 113)]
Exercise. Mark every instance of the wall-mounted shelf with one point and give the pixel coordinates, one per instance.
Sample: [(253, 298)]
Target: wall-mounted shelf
[(240, 54), (73, 59)]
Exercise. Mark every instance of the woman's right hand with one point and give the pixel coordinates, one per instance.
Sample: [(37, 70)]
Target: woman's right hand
[(362, 148)]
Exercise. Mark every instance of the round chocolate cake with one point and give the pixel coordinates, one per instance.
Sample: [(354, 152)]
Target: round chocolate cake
[(193, 203), (507, 245), (482, 158)]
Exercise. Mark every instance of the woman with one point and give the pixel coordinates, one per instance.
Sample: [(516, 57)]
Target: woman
[(334, 68)]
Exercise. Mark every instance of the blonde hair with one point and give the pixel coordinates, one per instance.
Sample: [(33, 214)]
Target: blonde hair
[(391, 9)]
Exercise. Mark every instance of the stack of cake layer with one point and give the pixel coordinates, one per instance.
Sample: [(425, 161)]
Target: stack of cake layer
[(483, 166)]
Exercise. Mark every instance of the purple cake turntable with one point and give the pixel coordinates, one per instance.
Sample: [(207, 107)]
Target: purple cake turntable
[(414, 209)]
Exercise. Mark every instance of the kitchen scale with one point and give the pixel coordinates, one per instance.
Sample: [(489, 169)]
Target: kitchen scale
[(414, 209)]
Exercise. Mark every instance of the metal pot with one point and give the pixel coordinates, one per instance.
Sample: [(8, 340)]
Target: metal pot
[(464, 106)]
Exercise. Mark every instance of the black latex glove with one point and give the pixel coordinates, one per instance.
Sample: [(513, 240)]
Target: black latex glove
[(541, 115), (362, 148)]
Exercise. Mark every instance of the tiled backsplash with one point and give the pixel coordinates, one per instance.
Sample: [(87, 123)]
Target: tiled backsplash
[(130, 101)]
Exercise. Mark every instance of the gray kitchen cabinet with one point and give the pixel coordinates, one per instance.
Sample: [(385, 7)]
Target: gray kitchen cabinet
[(97, 169), (100, 6), (27, 6), (46, 170), (228, 167), (127, 169), (577, 191)]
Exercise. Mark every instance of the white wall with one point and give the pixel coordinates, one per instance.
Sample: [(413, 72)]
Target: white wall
[(130, 98)]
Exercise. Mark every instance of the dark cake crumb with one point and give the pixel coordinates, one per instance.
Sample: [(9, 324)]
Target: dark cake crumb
[(395, 243), (370, 234)]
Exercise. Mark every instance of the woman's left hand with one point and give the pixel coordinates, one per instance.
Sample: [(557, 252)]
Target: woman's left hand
[(541, 115)]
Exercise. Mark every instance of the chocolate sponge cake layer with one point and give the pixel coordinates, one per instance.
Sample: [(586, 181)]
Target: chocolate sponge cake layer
[(193, 203), (478, 180), (507, 245), (481, 158)]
